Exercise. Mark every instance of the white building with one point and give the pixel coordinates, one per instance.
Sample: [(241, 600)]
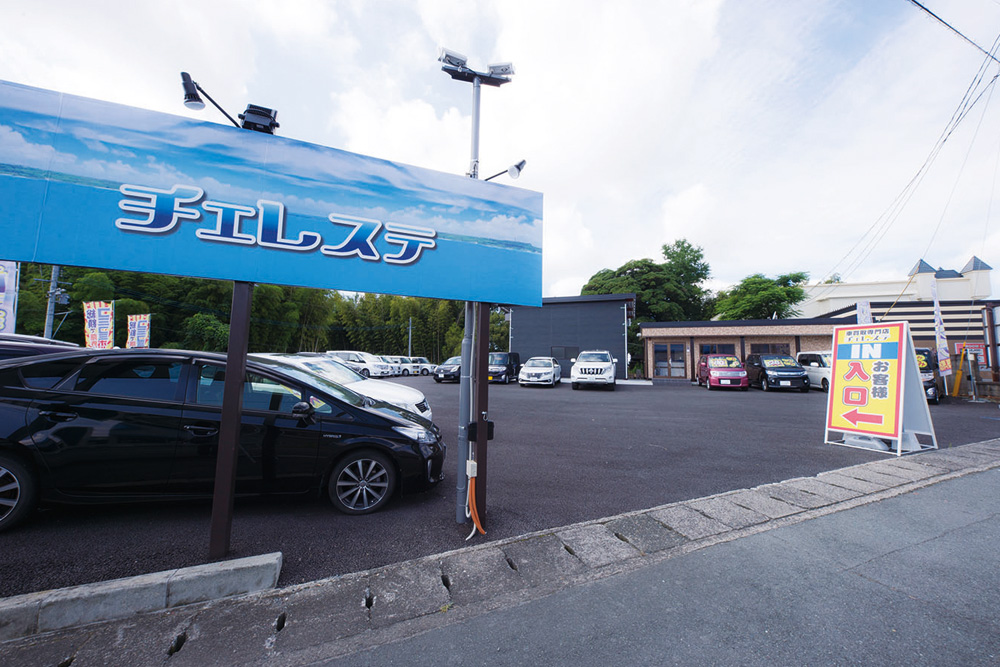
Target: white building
[(972, 283)]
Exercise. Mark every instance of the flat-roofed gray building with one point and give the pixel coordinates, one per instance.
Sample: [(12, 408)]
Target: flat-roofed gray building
[(564, 326)]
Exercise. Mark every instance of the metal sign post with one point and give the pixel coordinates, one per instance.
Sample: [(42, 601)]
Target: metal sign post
[(229, 429)]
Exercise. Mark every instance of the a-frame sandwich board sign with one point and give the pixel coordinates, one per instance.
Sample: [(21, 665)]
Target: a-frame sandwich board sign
[(876, 398)]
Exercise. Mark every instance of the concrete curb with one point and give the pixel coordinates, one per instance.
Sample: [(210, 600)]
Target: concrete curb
[(24, 615)]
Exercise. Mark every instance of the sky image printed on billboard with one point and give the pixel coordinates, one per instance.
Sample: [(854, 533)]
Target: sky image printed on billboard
[(90, 183)]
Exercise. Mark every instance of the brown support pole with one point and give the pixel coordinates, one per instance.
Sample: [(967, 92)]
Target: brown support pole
[(481, 403), (229, 428)]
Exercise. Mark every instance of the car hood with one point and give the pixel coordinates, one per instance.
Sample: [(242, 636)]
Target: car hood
[(390, 392), (398, 414)]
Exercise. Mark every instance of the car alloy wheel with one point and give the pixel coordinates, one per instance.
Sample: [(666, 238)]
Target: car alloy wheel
[(763, 384), (362, 483), (17, 491), (366, 372)]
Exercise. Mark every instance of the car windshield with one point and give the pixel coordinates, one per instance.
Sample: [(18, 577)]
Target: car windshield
[(498, 358), (724, 362), (925, 361), (317, 382), (827, 359), (454, 361), (595, 356), (370, 358), (543, 363), (778, 361)]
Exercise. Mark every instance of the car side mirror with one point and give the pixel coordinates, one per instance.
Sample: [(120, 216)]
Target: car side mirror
[(573, 360), (614, 360), (303, 410)]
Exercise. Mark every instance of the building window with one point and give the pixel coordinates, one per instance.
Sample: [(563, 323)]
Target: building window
[(770, 348), (718, 348), (562, 352)]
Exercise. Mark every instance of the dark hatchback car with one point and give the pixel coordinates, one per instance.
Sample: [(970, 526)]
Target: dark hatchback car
[(128, 425), (776, 371)]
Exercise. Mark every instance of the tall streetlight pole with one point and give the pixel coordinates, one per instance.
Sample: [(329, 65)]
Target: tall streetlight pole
[(473, 365)]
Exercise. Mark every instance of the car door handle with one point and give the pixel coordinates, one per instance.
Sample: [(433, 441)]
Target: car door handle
[(201, 431), (58, 416)]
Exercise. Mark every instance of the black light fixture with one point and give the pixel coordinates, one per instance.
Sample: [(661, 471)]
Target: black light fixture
[(259, 119)]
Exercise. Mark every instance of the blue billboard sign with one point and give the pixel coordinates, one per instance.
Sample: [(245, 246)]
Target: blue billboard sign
[(90, 183)]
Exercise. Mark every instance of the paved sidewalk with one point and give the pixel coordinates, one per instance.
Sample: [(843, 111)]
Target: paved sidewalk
[(890, 562)]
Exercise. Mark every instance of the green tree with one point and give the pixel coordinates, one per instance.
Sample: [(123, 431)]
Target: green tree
[(203, 331), (668, 291), (758, 297)]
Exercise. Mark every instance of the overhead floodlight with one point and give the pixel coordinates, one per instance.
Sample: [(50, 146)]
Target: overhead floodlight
[(192, 100), (513, 171), (501, 69), (453, 58)]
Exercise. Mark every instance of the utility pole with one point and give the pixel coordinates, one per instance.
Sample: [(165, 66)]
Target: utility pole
[(50, 311)]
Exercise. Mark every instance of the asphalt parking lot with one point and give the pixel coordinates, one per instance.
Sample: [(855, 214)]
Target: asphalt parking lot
[(559, 457)]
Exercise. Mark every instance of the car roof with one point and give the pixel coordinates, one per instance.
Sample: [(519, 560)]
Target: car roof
[(40, 340)]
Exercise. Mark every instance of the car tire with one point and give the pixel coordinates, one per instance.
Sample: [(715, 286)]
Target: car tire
[(576, 385), (18, 488), (708, 385), (366, 372), (424, 371), (362, 482), (764, 385), (405, 372), (805, 389), (438, 380), (825, 385)]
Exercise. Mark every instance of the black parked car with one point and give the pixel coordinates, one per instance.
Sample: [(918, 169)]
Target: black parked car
[(776, 371), (504, 367), (449, 371), (125, 425)]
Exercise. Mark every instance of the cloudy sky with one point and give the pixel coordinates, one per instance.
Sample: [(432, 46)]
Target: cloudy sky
[(778, 135)]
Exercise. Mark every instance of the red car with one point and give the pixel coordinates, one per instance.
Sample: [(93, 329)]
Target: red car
[(722, 370)]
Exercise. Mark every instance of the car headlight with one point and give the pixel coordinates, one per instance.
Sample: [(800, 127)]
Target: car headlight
[(418, 434)]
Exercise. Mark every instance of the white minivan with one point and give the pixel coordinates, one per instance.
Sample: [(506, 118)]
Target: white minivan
[(817, 367)]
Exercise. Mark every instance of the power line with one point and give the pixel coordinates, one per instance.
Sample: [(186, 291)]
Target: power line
[(953, 29)]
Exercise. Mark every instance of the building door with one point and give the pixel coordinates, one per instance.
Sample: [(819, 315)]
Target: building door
[(669, 361)]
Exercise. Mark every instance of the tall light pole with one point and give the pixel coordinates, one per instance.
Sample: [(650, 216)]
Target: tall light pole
[(455, 65)]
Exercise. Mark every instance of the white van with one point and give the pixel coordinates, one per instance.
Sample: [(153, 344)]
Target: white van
[(817, 367)]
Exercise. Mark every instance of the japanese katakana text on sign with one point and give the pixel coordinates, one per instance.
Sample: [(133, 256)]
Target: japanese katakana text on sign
[(88, 183)]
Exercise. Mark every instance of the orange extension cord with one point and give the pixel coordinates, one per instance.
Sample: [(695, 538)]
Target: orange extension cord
[(472, 506)]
